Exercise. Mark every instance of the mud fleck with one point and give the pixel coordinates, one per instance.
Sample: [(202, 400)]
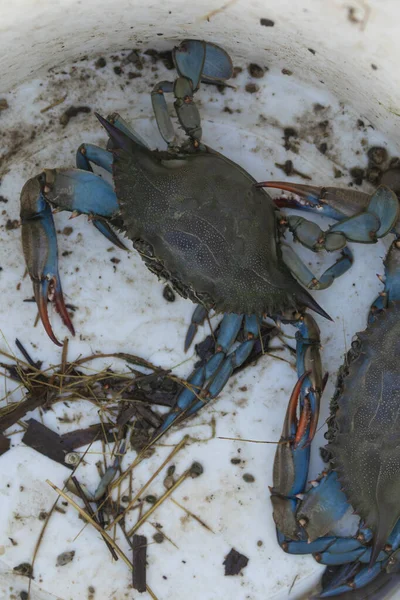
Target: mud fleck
[(256, 71), (377, 155), (251, 88), (234, 562), (100, 63), (3, 104), (71, 112), (12, 224), (267, 22)]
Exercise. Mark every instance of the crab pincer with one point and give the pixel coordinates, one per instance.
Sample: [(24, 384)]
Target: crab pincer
[(73, 190), (39, 245), (362, 217)]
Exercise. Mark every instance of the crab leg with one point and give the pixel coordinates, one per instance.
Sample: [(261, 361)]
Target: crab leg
[(391, 291), (198, 317), (307, 277), (195, 61), (66, 189), (208, 380)]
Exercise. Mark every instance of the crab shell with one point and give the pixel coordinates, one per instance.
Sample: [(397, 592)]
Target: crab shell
[(366, 426), (198, 220)]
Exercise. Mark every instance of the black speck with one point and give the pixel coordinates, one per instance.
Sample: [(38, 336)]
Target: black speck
[(236, 461), (3, 199), (357, 175), (248, 478), (287, 72), (100, 63), (374, 67), (118, 70), (323, 148), (267, 22), (311, 50)]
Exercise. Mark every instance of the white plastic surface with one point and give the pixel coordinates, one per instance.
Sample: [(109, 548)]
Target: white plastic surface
[(121, 306)]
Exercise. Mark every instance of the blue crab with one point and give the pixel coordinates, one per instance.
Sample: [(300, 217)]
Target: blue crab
[(197, 219), (363, 434), (202, 222)]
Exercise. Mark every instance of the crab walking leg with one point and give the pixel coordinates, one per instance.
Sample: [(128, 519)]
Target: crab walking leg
[(207, 381), (66, 189), (361, 218), (391, 291), (307, 277), (198, 317)]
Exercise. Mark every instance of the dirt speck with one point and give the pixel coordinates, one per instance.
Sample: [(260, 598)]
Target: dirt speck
[(12, 224), (256, 71), (71, 112), (3, 104), (248, 478), (377, 155), (251, 88), (67, 230), (267, 22), (287, 72), (100, 63), (65, 558)]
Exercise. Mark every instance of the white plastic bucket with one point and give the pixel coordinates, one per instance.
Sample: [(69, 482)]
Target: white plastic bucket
[(348, 50)]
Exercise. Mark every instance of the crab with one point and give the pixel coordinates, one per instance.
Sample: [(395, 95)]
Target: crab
[(203, 223), (196, 218), (363, 455)]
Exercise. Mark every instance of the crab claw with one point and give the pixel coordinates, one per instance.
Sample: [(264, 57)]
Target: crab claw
[(39, 245), (332, 202)]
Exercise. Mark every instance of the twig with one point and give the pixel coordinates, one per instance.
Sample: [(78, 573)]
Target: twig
[(92, 514)]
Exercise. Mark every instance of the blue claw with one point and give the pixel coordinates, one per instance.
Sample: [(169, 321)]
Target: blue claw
[(39, 243), (80, 191)]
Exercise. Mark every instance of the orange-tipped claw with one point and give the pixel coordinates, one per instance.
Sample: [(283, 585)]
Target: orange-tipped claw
[(50, 290), (39, 244), (309, 192)]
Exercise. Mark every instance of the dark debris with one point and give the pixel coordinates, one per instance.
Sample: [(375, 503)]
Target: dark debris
[(71, 112), (234, 562)]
